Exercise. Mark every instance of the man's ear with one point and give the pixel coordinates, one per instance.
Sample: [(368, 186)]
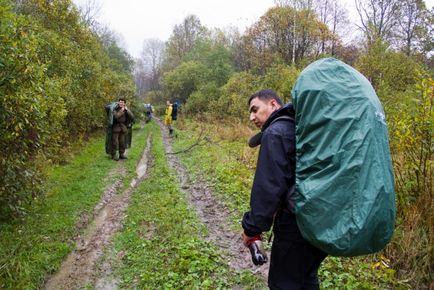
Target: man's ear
[(274, 104)]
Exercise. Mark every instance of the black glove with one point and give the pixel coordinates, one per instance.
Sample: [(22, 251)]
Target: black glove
[(255, 140), (259, 257)]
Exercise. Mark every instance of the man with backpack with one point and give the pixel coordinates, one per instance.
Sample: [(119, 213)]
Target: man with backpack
[(294, 262), (120, 120)]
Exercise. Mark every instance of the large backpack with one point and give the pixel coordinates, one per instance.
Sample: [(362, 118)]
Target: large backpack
[(346, 201), (174, 111)]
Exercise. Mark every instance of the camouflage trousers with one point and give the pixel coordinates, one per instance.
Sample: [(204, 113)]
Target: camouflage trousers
[(118, 142)]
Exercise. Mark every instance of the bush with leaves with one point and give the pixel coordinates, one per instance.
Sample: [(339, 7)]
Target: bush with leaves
[(31, 112), (281, 78), (412, 125), (216, 58), (55, 79), (181, 82), (233, 99), (385, 68)]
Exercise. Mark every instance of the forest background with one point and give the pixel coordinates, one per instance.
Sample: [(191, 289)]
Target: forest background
[(60, 67)]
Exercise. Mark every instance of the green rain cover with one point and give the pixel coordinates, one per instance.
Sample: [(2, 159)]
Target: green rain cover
[(346, 200)]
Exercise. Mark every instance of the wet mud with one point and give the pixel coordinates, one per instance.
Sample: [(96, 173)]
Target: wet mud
[(91, 262), (81, 268), (212, 212)]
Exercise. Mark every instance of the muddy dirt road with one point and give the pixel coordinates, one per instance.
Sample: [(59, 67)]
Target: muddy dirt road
[(87, 266), (80, 267), (214, 215)]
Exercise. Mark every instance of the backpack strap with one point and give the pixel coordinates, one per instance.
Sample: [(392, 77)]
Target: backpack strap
[(255, 140), (285, 117)]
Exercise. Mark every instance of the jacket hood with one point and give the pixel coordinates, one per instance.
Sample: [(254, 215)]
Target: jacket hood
[(286, 110)]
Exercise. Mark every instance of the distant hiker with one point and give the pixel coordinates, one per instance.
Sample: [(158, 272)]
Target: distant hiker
[(119, 129), (168, 117), (175, 107), (294, 262), (148, 112)]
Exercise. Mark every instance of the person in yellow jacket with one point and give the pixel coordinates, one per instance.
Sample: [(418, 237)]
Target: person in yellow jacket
[(168, 117)]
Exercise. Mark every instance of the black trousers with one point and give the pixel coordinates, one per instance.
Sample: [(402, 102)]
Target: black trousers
[(294, 262)]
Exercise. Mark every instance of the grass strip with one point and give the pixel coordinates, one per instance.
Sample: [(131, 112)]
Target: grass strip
[(225, 163), (36, 245), (162, 242)]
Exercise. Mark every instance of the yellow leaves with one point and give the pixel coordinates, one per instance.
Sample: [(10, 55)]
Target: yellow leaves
[(383, 263), (28, 70)]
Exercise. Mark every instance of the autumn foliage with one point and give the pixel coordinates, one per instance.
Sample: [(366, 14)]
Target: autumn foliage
[(56, 75)]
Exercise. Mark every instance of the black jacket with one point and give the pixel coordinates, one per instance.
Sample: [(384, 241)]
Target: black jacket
[(275, 172)]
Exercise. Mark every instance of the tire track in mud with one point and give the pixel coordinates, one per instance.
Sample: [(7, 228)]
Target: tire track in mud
[(80, 266), (212, 212)]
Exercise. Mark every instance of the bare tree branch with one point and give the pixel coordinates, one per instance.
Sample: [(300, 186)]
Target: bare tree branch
[(199, 142), (90, 11)]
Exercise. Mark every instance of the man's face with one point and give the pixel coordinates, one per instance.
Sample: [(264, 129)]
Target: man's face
[(121, 103), (260, 110)]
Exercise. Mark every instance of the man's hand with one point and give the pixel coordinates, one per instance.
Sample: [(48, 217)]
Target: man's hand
[(254, 244), (246, 239)]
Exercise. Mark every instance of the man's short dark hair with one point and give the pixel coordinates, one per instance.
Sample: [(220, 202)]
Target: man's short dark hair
[(266, 95), (122, 99)]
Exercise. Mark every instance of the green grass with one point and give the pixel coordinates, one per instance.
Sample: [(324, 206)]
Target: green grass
[(219, 164), (34, 246), (163, 243)]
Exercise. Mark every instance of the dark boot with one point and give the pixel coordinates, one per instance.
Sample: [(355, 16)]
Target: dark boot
[(122, 156), (170, 132)]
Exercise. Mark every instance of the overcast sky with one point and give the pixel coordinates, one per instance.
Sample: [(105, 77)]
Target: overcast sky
[(137, 20)]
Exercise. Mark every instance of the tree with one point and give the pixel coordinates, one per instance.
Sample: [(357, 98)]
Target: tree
[(387, 70), (203, 70), (378, 18), (281, 28), (123, 61), (427, 38), (215, 57), (281, 78), (230, 38), (182, 81), (414, 24), (152, 59), (141, 78), (296, 5), (89, 12), (183, 38), (331, 13)]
